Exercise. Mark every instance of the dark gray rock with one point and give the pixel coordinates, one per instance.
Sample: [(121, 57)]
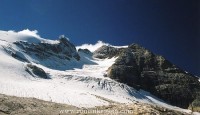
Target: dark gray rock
[(36, 71), (125, 69)]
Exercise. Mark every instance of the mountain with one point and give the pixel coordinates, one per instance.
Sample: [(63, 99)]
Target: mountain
[(55, 71), (141, 69)]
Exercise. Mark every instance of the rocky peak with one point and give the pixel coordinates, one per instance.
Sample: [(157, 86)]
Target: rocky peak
[(65, 41), (106, 51), (142, 69), (68, 48)]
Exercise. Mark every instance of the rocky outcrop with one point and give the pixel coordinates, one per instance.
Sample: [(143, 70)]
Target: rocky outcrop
[(36, 71), (195, 106), (85, 51), (141, 69)]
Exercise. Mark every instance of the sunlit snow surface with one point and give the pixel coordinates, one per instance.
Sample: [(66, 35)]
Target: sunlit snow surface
[(80, 86)]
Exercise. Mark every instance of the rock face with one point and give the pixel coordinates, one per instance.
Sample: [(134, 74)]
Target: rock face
[(63, 50), (141, 69), (125, 64)]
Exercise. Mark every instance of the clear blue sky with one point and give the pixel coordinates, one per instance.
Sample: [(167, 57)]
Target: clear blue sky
[(166, 27)]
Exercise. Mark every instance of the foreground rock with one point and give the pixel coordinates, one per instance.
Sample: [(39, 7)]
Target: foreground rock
[(10, 105), (29, 106)]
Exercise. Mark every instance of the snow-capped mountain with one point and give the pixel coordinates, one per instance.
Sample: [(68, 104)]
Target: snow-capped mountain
[(54, 70)]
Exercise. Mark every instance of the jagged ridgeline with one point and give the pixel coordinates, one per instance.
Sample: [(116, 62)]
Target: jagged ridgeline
[(63, 50), (142, 69)]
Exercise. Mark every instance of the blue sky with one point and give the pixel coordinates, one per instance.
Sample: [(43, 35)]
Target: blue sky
[(166, 27)]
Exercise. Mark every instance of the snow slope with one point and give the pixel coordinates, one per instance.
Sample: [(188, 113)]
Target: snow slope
[(81, 84)]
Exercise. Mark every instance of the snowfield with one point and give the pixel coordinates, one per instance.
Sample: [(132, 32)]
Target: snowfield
[(82, 84)]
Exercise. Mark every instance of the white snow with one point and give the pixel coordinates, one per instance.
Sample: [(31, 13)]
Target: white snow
[(97, 70), (78, 83), (24, 35), (93, 47), (119, 46)]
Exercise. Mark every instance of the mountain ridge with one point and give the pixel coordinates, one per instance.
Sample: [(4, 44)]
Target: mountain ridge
[(56, 71)]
